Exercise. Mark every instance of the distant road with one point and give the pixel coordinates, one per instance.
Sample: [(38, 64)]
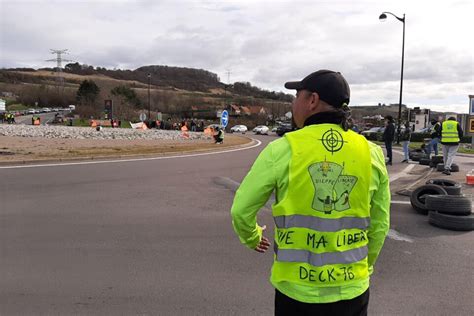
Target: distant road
[(26, 119)]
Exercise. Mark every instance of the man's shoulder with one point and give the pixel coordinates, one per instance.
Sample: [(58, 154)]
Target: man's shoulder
[(279, 144)]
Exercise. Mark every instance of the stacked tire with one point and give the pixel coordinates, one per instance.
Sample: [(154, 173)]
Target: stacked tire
[(445, 205), (454, 167), (435, 160), (417, 154)]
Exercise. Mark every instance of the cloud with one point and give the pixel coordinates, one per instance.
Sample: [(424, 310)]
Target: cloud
[(264, 42)]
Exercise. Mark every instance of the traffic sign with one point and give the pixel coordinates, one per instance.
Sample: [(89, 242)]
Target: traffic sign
[(142, 117), (225, 118)]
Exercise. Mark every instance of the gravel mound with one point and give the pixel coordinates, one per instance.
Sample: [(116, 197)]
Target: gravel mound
[(46, 131)]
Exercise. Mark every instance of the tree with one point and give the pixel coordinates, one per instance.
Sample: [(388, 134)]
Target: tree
[(128, 94), (87, 92), (73, 68)]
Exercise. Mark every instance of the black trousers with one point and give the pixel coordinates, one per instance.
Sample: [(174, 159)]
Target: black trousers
[(388, 146), (286, 306)]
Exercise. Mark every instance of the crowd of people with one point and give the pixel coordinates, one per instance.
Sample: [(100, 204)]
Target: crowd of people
[(193, 125), (7, 118), (449, 133)]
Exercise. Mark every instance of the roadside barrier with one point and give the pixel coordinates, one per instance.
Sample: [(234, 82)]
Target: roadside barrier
[(470, 177)]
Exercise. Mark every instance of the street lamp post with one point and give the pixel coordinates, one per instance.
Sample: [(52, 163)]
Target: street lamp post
[(382, 18), (149, 104)]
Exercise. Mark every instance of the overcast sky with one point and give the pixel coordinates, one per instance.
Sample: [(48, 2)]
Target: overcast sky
[(264, 42)]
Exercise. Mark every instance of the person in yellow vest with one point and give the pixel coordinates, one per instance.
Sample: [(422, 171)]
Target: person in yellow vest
[(219, 135), (451, 134), (331, 208)]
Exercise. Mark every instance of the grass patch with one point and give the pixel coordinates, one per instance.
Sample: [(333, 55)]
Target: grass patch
[(463, 148)]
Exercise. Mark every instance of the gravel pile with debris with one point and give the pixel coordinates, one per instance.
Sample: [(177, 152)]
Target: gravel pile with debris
[(91, 133)]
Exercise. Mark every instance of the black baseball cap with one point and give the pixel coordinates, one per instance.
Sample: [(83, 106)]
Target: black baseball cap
[(331, 86)]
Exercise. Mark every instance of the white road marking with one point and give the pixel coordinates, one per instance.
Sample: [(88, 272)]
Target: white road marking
[(400, 202), (401, 173), (131, 160), (393, 234)]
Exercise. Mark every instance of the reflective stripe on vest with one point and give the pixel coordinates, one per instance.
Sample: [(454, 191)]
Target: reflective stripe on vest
[(320, 259), (449, 132), (322, 222)]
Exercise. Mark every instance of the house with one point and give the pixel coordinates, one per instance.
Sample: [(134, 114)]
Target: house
[(257, 110), (234, 110), (246, 110)]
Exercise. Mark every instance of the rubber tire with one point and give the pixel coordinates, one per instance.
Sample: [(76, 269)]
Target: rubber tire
[(437, 159), (415, 157), (449, 204), (432, 164), (452, 222), (425, 161), (417, 198), (454, 167), (452, 187)]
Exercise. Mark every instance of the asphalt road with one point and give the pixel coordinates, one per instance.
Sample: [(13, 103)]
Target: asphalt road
[(155, 238), (45, 118)]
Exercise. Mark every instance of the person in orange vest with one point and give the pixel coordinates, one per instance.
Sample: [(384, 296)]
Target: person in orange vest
[(184, 130)]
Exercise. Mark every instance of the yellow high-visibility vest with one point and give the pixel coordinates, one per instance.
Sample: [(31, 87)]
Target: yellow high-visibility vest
[(449, 132), (322, 222)]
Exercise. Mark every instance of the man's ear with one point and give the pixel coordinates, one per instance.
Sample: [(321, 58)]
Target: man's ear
[(314, 101)]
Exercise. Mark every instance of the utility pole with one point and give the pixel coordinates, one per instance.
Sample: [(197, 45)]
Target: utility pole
[(228, 72), (149, 104), (59, 69)]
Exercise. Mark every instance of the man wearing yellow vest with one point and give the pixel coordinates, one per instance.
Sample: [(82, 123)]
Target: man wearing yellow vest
[(451, 134), (331, 207)]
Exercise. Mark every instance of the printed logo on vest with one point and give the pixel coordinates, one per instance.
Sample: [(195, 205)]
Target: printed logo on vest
[(332, 140), (332, 188)]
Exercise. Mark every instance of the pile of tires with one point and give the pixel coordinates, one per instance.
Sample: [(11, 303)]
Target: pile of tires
[(442, 200)]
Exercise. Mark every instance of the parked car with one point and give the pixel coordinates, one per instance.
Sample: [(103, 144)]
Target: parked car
[(284, 128), (239, 129), (373, 130), (261, 130), (424, 130)]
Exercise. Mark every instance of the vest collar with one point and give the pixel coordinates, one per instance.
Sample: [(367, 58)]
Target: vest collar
[(324, 117)]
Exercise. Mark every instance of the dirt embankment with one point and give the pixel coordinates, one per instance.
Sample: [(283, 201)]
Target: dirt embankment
[(20, 149)]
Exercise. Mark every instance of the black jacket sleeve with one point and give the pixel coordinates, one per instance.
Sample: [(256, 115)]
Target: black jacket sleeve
[(460, 131)]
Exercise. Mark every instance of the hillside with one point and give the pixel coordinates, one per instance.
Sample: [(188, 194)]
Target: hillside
[(161, 77), (173, 90)]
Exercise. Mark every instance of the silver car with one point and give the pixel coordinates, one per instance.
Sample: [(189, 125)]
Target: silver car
[(239, 129)]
